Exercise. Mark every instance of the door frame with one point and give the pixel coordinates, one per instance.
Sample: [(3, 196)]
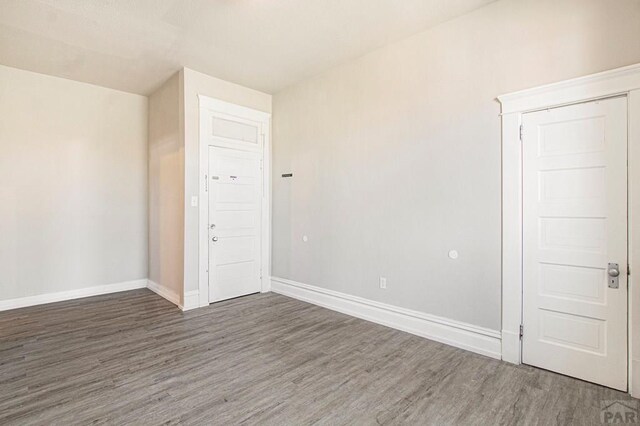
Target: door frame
[(618, 82), (208, 106)]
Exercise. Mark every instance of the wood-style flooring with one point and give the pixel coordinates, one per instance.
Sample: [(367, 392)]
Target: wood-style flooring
[(134, 358)]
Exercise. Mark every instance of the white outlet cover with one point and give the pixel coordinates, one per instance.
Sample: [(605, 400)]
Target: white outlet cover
[(453, 254), (383, 282)]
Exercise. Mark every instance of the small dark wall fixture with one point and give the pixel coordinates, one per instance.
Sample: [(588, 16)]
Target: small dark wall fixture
[(287, 175)]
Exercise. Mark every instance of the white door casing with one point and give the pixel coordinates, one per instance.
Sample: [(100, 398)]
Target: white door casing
[(235, 193), (574, 224), (623, 81), (240, 136)]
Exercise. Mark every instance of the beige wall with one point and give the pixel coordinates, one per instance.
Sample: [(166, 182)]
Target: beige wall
[(396, 155), (166, 187), (195, 84), (73, 198)]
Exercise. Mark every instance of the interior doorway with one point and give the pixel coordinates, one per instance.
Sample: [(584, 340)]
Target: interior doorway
[(575, 240), (234, 214)]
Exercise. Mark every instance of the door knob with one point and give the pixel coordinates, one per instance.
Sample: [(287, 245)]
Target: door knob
[(213, 225), (214, 239), (614, 271)]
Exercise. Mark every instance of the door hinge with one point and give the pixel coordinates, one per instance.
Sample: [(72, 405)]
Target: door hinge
[(521, 331), (206, 183), (521, 132)]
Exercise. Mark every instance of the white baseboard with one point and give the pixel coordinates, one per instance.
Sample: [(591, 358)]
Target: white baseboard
[(461, 335), (191, 300), (40, 299), (165, 292), (634, 379)]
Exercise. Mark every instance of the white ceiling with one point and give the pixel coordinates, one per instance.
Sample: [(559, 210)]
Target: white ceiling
[(135, 45)]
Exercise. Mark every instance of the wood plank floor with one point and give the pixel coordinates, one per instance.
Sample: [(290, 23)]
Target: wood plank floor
[(133, 358)]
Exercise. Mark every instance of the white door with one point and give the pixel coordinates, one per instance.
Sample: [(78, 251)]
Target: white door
[(235, 200), (574, 225)]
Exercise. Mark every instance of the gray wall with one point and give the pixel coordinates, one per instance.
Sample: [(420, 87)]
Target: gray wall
[(396, 155), (73, 192)]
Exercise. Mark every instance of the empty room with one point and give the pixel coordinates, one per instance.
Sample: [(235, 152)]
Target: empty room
[(334, 212)]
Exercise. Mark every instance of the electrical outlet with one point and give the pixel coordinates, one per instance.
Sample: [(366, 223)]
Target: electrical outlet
[(383, 282)]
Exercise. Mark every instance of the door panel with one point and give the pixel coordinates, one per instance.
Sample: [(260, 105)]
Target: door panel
[(574, 224), (235, 200)]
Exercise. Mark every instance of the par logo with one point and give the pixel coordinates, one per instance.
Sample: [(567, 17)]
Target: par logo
[(619, 412)]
